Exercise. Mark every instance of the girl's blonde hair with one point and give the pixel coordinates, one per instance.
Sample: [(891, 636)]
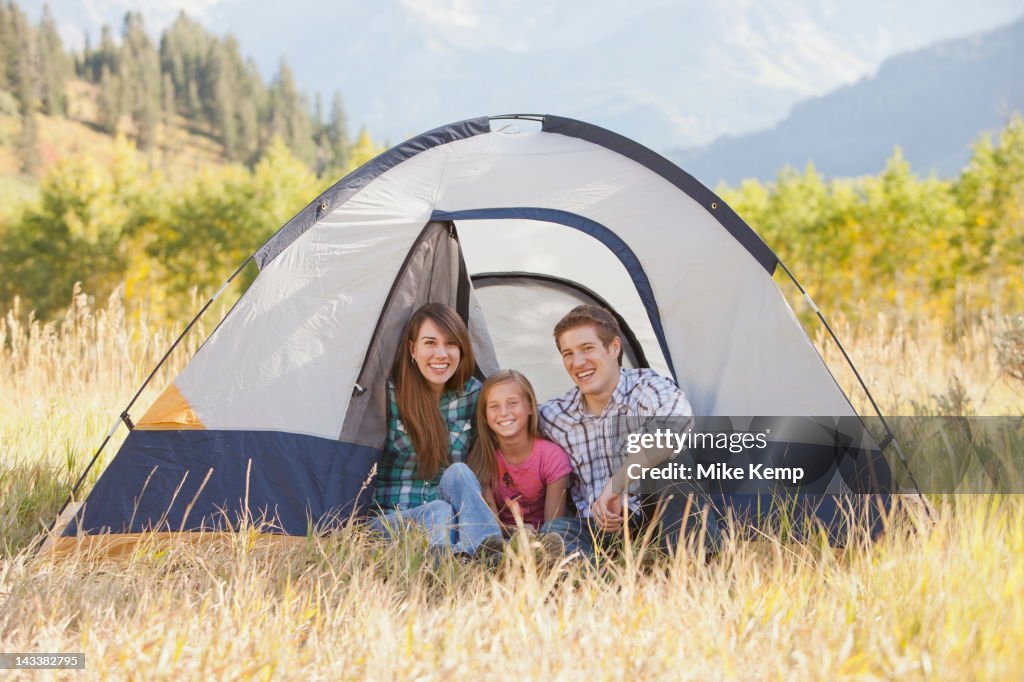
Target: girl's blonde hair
[(417, 406), (483, 458)]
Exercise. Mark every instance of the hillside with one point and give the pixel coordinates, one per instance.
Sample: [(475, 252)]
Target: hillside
[(931, 102), (180, 151)]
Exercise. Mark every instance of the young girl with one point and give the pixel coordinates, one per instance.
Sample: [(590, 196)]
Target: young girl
[(516, 467)]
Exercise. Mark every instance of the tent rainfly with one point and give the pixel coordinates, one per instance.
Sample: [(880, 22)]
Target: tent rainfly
[(280, 415)]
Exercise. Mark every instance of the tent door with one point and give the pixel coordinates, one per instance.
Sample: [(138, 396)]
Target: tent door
[(433, 272)]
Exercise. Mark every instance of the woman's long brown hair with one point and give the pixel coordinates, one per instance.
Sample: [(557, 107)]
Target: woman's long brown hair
[(417, 407), (483, 460)]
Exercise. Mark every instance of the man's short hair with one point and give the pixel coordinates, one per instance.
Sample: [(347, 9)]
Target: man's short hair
[(586, 315)]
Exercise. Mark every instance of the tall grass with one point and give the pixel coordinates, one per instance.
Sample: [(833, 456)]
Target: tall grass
[(924, 602), (62, 386), (934, 599), (922, 368)]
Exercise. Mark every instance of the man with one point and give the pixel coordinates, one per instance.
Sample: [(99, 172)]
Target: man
[(588, 422)]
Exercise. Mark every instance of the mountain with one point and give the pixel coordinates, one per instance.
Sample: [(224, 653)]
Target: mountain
[(931, 102), (668, 73)]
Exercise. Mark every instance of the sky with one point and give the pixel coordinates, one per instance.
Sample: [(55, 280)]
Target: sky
[(669, 73)]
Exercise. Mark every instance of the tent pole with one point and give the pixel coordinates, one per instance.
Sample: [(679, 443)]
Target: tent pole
[(124, 416), (890, 437)]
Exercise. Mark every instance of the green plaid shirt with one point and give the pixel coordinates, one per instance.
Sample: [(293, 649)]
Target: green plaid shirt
[(397, 485)]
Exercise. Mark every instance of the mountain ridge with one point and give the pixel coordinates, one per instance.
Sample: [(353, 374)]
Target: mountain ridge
[(667, 73), (932, 103)]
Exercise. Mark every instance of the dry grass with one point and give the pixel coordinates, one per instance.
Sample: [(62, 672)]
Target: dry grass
[(931, 603), (926, 601), (62, 386), (910, 369)]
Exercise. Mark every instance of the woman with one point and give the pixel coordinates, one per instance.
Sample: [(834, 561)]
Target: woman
[(432, 397)]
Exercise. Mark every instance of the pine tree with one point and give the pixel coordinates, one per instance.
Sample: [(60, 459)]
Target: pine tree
[(7, 49), (259, 95), (193, 102), (319, 135), (301, 126), (250, 111), (318, 114), (337, 135), (105, 55), (23, 80), (140, 78), (290, 115), (54, 66), (244, 88), (220, 99), (247, 131), (282, 97), (172, 59), (167, 99), (184, 48), (109, 105), (82, 61)]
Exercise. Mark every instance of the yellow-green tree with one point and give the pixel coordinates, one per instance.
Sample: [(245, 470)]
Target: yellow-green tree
[(991, 192), (223, 215), (82, 227)]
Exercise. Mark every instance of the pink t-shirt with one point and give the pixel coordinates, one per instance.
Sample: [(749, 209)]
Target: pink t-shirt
[(528, 482)]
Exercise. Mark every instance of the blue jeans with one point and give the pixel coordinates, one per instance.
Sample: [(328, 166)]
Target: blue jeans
[(581, 535), (577, 534), (459, 518), (702, 515)]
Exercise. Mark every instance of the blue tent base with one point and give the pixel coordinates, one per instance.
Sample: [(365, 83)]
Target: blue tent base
[(804, 517), (294, 484), (217, 480)]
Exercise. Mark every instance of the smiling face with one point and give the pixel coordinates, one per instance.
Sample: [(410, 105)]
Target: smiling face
[(436, 355), (592, 366), (508, 410)]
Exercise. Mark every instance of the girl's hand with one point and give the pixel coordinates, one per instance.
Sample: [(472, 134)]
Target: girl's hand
[(554, 498)]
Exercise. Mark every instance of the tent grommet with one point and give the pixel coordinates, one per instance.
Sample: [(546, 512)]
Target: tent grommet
[(714, 205)]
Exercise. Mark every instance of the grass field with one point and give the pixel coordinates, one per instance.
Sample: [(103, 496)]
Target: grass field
[(930, 600)]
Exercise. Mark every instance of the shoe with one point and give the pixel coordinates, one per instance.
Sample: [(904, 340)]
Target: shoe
[(552, 548), (491, 550)]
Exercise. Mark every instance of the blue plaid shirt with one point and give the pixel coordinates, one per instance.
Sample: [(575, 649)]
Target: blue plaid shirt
[(594, 442), (397, 485)]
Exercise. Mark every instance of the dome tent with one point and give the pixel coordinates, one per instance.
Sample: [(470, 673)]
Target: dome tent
[(280, 415)]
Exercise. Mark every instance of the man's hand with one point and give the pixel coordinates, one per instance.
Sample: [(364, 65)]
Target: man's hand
[(607, 510)]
